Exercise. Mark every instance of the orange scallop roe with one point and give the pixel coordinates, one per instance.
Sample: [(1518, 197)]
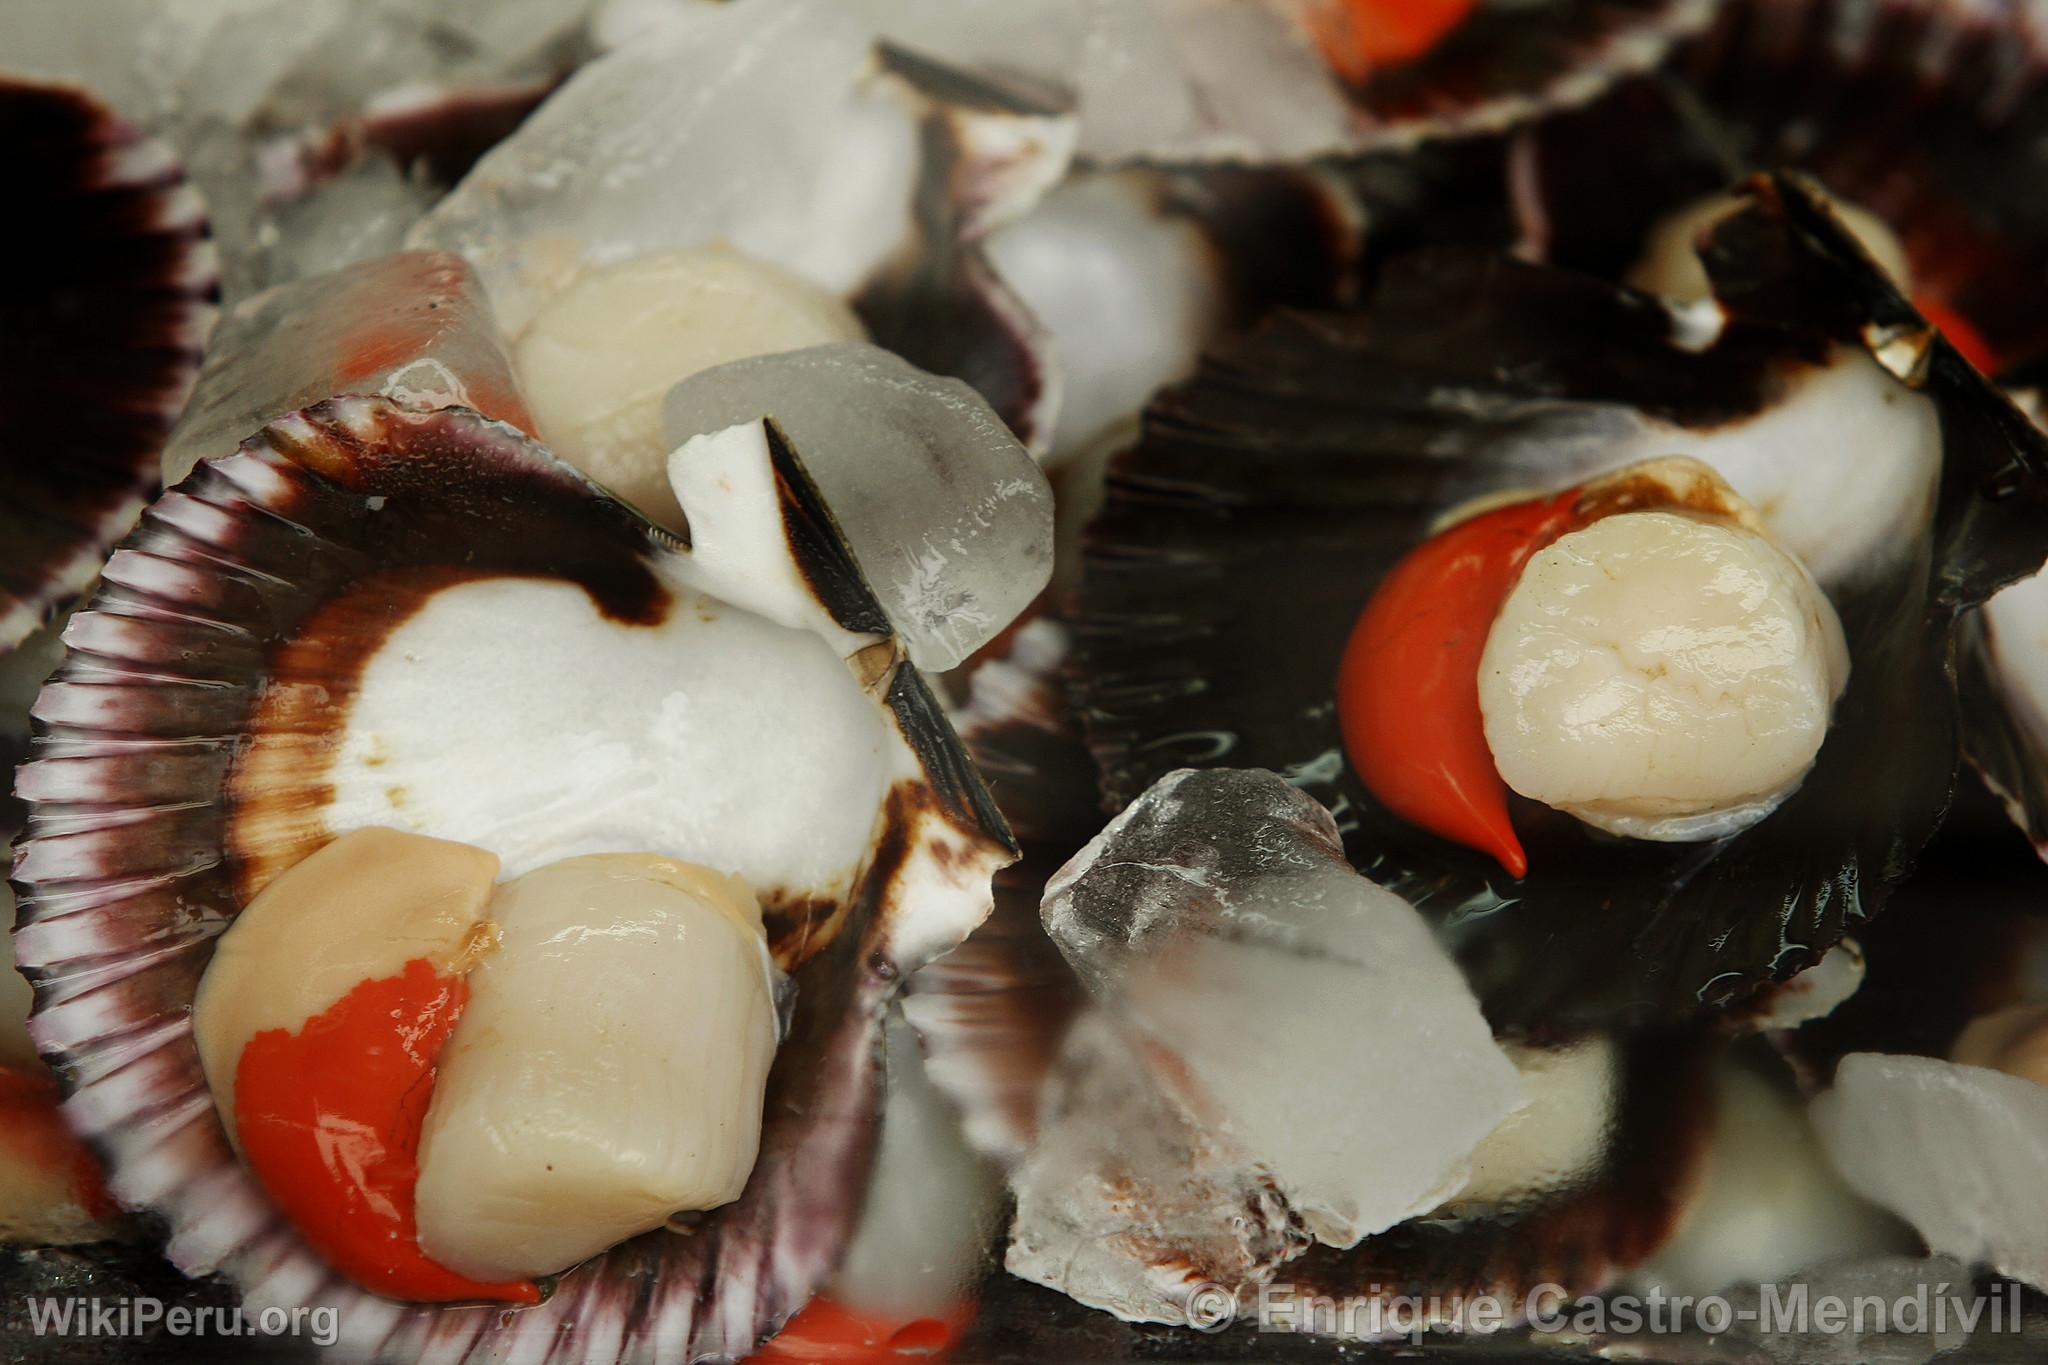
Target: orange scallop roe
[(329, 1120), (1408, 684)]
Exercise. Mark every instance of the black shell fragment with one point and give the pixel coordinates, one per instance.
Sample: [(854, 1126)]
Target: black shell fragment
[(1967, 934), (1268, 496)]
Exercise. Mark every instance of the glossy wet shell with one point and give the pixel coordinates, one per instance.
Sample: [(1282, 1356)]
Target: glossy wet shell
[(1247, 529), (145, 838), (106, 299), (1914, 109)]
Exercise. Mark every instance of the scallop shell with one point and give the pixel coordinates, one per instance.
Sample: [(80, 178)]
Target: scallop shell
[(1965, 935), (778, 102), (107, 302), (1183, 81), (1244, 532), (1915, 109), (195, 742)]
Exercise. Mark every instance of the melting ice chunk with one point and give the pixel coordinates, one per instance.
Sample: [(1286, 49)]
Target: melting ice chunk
[(754, 124), (946, 514), (1126, 1204), (413, 327), (1960, 1152), (1289, 1004)]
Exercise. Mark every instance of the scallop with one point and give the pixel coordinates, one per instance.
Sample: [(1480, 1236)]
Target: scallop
[(1269, 496), (1661, 675), (392, 611)]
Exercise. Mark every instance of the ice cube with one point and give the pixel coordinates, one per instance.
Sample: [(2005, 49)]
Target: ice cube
[(412, 326), (1127, 1205), (756, 124), (1960, 1152), (946, 514), (1297, 1009)]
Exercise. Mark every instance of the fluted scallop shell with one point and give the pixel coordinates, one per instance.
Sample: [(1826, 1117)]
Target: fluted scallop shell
[(193, 743), (1918, 110), (106, 303), (1244, 532)]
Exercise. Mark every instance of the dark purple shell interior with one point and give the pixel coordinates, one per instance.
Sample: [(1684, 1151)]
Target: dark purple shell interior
[(1916, 110), (107, 282), (1246, 530), (1966, 934), (141, 846)]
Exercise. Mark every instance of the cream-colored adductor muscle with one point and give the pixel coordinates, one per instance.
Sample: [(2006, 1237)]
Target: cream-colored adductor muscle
[(1663, 674), (608, 1071)]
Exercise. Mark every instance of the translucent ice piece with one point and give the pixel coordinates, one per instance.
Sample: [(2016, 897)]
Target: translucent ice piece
[(1127, 1205), (413, 327), (1306, 1013), (946, 514), (754, 124), (1960, 1152)]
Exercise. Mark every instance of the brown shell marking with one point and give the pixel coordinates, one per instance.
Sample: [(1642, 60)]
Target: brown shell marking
[(1507, 63), (105, 306)]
